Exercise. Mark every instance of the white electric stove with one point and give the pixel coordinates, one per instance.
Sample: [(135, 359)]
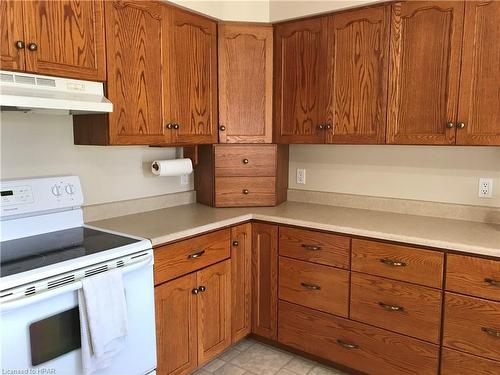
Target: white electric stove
[(45, 252)]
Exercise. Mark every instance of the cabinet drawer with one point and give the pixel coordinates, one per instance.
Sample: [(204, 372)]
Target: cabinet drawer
[(355, 345), (245, 191), (190, 255), (317, 247), (472, 325), (474, 276), (319, 287), (458, 363), (245, 160), (401, 307), (397, 262)]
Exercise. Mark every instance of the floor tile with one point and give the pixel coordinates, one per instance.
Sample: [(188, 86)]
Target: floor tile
[(214, 365), (229, 369), (300, 366), (261, 359), (321, 370), (284, 371), (229, 354), (244, 344)]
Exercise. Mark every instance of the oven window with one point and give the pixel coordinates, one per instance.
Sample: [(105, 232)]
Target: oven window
[(54, 336)]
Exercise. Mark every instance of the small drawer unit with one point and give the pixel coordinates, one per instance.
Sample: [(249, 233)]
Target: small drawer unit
[(457, 363)]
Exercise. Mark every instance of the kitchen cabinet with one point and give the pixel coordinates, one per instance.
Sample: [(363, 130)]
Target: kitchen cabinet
[(245, 83), (426, 45), (241, 281), (60, 38), (479, 110), (265, 280)]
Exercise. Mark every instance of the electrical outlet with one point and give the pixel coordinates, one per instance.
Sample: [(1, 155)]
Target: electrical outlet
[(301, 176), (184, 179), (485, 187)]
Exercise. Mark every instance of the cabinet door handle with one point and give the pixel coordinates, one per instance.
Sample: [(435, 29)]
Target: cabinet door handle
[(245, 191), (176, 126), (202, 288), (32, 46), (492, 282), (245, 161), (196, 255), (347, 345), (460, 125), (393, 263), (311, 247), (321, 126), (19, 44), (195, 291), (222, 128), (450, 125), (491, 332), (169, 126), (328, 126), (388, 307), (235, 243), (311, 286)]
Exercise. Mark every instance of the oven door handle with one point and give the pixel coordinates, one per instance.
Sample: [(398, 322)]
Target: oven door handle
[(29, 300)]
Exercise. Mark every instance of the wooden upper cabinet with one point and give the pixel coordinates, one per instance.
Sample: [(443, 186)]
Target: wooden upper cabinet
[(13, 44), (426, 40), (358, 49), (299, 75), (192, 48), (67, 38), (245, 83), (136, 55), (479, 108)]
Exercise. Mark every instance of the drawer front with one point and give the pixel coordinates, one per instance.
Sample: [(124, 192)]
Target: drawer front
[(472, 325), (259, 160), (316, 286), (458, 363), (245, 191), (474, 276), (397, 262), (190, 255), (397, 306), (316, 247), (355, 345)]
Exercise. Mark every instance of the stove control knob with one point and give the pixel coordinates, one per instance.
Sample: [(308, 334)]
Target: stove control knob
[(56, 190), (70, 189)]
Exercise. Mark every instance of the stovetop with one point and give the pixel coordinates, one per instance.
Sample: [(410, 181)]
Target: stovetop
[(28, 253)]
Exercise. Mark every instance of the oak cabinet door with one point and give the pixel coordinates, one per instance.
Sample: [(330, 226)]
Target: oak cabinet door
[(176, 326), (300, 69), (245, 83), (66, 38), (13, 43), (479, 108), (241, 280), (426, 40), (193, 77), (214, 310), (136, 34), (358, 50), (264, 280)]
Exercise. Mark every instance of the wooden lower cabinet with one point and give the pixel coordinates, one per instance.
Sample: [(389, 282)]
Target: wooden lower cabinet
[(457, 363), (355, 345)]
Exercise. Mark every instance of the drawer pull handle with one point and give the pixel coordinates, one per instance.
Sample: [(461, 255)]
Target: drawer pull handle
[(387, 307), (393, 263), (491, 332), (492, 282), (196, 255), (311, 247), (347, 345), (310, 286)]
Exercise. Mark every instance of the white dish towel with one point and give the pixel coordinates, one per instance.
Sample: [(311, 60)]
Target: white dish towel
[(103, 319)]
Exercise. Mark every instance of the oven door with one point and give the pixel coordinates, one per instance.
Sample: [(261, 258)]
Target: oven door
[(42, 331)]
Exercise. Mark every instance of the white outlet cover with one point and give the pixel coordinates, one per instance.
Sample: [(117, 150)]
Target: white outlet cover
[(301, 176), (485, 188)]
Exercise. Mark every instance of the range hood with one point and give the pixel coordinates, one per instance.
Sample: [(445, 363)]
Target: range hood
[(43, 94)]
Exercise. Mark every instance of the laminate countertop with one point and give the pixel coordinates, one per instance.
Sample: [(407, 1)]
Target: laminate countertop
[(170, 224)]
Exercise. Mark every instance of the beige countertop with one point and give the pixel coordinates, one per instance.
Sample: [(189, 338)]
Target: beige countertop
[(169, 224)]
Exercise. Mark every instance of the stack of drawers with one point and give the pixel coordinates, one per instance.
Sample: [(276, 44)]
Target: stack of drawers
[(471, 335)]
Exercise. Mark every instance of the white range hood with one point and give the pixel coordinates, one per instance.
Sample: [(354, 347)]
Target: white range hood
[(36, 93)]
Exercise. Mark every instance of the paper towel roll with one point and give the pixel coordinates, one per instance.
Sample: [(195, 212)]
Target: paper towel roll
[(175, 167)]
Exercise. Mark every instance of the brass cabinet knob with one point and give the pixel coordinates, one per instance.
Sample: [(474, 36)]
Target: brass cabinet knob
[(222, 128), (321, 126), (245, 191), (235, 243), (169, 126), (202, 288), (245, 161), (32, 46), (20, 44), (195, 291), (176, 126), (450, 125), (328, 126), (460, 125)]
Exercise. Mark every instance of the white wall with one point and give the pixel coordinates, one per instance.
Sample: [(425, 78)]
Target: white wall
[(42, 145), (437, 174), (230, 10)]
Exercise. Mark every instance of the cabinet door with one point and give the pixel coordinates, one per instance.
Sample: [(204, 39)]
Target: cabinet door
[(176, 326), (358, 45), (245, 83), (13, 45), (69, 38), (241, 280), (479, 107), (426, 40), (214, 310), (264, 280), (300, 69), (136, 32), (193, 77)]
